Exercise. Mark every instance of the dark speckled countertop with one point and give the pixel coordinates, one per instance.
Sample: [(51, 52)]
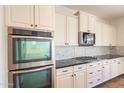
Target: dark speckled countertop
[(83, 60)]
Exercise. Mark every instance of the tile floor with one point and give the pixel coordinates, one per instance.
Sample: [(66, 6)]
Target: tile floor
[(117, 82)]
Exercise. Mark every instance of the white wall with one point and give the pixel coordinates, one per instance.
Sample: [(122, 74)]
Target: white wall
[(119, 24), (3, 56)]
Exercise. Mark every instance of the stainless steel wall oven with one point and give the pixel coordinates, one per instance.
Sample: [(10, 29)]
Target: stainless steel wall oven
[(30, 54)]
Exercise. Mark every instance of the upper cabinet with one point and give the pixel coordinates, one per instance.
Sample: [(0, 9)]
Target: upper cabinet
[(86, 22), (105, 34), (66, 32), (38, 17)]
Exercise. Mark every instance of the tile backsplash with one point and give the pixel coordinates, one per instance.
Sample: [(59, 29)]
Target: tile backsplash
[(64, 52), (119, 50)]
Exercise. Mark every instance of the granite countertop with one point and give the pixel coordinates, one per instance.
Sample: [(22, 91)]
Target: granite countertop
[(83, 60)]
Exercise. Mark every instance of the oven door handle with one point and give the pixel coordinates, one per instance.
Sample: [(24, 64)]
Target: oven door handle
[(32, 37), (32, 70)]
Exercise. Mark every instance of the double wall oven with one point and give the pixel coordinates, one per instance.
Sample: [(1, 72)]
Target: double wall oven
[(30, 61)]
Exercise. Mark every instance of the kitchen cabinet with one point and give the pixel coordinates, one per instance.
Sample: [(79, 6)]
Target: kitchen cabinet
[(86, 22), (98, 33), (106, 70), (66, 32), (65, 81), (114, 68), (36, 17), (105, 34), (69, 77), (120, 66), (79, 79)]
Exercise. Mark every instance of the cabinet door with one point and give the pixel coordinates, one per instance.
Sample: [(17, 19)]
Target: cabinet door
[(91, 23), (98, 33), (60, 30), (114, 69), (65, 81), (80, 79), (105, 34), (44, 17), (113, 36), (20, 16), (106, 72), (120, 66), (72, 30), (83, 24)]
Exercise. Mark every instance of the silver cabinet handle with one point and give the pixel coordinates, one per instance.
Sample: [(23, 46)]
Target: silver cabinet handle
[(91, 73), (90, 82), (79, 67), (64, 70), (98, 79), (98, 70), (31, 25)]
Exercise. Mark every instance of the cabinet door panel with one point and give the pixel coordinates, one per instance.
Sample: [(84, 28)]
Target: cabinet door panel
[(83, 22), (65, 81), (20, 16), (72, 30), (114, 69), (60, 30), (79, 79), (44, 17)]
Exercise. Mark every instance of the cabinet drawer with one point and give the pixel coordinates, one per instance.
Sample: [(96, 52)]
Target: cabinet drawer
[(89, 65), (91, 82), (94, 64), (64, 70), (80, 67), (105, 62), (91, 72), (98, 80)]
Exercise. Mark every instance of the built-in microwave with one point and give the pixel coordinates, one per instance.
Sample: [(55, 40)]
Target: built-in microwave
[(86, 39), (27, 48)]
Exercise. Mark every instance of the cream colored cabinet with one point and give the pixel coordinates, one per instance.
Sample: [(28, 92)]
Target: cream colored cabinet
[(106, 70), (66, 32), (120, 66), (114, 68), (98, 33), (69, 77), (80, 79), (86, 22), (20, 16), (38, 17), (72, 30), (65, 81), (45, 17), (60, 29)]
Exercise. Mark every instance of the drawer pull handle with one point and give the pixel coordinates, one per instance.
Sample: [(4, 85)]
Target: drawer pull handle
[(91, 65), (72, 75), (91, 82), (99, 70), (102, 67), (119, 63), (98, 79), (64, 70), (79, 67), (91, 73)]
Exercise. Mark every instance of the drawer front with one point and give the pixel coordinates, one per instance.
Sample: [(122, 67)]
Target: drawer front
[(98, 80), (94, 64), (80, 67), (91, 72), (91, 82), (65, 70), (90, 65), (105, 62), (94, 71)]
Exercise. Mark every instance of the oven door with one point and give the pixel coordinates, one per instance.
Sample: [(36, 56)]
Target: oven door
[(32, 78), (28, 51)]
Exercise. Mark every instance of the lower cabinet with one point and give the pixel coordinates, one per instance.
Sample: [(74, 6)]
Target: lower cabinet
[(79, 79), (65, 81), (76, 79), (106, 70), (89, 75)]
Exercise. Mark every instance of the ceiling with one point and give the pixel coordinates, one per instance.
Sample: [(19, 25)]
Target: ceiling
[(102, 11)]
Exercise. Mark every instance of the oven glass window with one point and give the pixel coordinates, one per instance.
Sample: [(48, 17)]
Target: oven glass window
[(30, 50), (37, 79)]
